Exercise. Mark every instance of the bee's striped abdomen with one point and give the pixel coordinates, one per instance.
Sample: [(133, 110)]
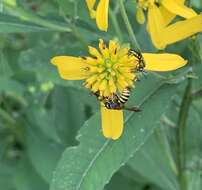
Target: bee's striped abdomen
[(138, 55), (124, 96)]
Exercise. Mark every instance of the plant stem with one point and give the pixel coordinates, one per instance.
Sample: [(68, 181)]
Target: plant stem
[(71, 22), (181, 144), (76, 33), (115, 25), (128, 26)]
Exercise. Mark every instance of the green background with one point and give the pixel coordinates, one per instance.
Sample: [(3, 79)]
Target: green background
[(50, 129)]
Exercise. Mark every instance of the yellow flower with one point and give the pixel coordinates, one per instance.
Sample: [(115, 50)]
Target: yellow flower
[(109, 70), (100, 13), (160, 14)]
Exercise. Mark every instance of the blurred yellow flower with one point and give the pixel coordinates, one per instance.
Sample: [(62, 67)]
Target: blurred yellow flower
[(161, 13), (100, 13), (108, 71)]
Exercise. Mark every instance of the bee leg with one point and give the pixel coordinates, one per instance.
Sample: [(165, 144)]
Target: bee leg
[(136, 109), (137, 79)]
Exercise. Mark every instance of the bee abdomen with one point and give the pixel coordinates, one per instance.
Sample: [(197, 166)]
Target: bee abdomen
[(123, 98)]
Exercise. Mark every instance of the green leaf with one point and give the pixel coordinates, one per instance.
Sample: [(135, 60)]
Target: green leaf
[(90, 165), (42, 67), (26, 178), (120, 182), (197, 82), (6, 175), (154, 156), (68, 6), (40, 118), (5, 70), (43, 154), (68, 102), (193, 147), (11, 86), (194, 180), (9, 24)]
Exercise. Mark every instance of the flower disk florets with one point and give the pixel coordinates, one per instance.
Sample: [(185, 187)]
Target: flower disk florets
[(111, 69)]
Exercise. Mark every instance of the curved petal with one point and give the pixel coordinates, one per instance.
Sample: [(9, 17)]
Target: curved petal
[(167, 15), (102, 15), (155, 26), (112, 122), (70, 68), (183, 29), (90, 4), (163, 62), (140, 17), (178, 9)]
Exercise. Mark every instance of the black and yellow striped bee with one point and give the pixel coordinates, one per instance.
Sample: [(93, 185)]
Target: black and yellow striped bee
[(138, 55), (117, 102)]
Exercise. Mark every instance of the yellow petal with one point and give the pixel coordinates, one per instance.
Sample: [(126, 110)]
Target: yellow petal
[(70, 68), (155, 26), (90, 4), (178, 9), (112, 122), (112, 86), (103, 49), (163, 62), (183, 29), (140, 15), (102, 15), (167, 15), (94, 52), (113, 47), (103, 84), (95, 86)]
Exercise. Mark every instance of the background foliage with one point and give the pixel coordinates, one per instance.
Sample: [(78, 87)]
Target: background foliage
[(47, 122)]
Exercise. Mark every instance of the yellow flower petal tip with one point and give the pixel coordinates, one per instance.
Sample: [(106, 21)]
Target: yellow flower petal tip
[(102, 15), (140, 16), (161, 13), (178, 8), (70, 68), (112, 123), (183, 29), (90, 5), (163, 62)]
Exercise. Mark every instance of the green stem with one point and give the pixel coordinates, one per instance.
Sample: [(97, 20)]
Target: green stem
[(31, 17), (71, 22), (115, 25), (78, 36), (128, 26), (181, 154)]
